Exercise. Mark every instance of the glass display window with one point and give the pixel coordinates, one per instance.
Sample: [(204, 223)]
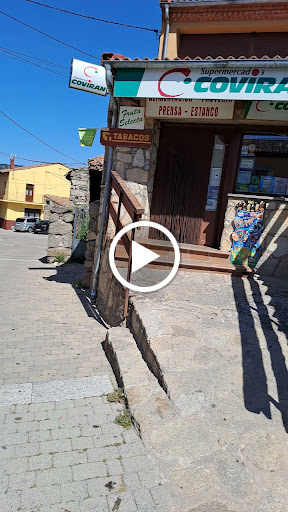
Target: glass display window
[(263, 165)]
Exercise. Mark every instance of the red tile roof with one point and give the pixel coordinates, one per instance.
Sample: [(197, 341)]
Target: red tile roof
[(62, 201), (96, 163), (31, 167), (114, 57)]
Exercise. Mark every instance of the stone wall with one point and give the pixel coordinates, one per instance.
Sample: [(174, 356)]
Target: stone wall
[(274, 241), (90, 247), (95, 173), (110, 293), (136, 167), (61, 220), (79, 191), (61, 211)]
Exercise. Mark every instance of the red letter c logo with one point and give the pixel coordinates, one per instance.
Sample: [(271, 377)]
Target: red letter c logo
[(185, 72)]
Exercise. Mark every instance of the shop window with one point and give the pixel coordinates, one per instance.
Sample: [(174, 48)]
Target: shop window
[(29, 212), (29, 193), (263, 165)]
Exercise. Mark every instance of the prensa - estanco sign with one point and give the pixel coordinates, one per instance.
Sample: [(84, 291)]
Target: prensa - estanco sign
[(164, 108), (88, 77), (203, 83)]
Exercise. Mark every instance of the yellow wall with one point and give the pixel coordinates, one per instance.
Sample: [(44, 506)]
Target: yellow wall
[(48, 179), (14, 210)]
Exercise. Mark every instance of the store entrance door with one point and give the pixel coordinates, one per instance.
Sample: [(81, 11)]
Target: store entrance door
[(181, 181)]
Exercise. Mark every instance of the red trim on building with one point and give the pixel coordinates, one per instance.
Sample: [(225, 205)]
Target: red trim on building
[(229, 12)]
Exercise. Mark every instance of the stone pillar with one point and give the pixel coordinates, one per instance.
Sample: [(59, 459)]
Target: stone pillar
[(60, 231), (79, 192)]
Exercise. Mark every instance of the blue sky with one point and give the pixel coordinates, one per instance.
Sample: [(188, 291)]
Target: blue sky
[(41, 101)]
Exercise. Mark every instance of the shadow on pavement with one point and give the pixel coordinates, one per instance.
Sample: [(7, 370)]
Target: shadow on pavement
[(72, 273), (253, 312)]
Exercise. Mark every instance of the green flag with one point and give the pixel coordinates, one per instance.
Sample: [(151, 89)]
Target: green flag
[(86, 136)]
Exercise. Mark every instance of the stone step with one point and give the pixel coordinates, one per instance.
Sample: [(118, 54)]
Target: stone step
[(187, 250), (188, 262), (146, 398)]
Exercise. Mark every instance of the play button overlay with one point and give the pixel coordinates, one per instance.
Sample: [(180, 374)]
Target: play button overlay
[(141, 257)]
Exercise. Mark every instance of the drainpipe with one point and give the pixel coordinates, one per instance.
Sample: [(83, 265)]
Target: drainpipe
[(109, 80), (167, 29)]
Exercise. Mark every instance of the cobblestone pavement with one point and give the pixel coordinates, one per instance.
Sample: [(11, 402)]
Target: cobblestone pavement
[(61, 455)]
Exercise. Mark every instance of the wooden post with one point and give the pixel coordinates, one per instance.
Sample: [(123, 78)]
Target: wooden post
[(135, 219)]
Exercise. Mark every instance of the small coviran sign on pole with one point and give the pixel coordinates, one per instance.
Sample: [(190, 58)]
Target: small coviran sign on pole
[(127, 138)]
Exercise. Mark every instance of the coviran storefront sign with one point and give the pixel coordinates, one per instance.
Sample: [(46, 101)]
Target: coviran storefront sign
[(164, 108), (203, 83), (269, 110), (129, 138)]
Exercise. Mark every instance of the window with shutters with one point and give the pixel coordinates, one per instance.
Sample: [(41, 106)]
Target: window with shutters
[(235, 45), (29, 193)]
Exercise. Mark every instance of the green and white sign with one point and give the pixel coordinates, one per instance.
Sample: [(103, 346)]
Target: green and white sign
[(231, 83), (86, 136), (88, 77), (268, 110), (131, 118)]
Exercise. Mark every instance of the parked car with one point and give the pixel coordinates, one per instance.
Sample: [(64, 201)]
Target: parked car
[(25, 224), (41, 226)]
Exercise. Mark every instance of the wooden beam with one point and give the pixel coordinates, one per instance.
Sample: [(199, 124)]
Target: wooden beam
[(129, 201), (125, 238)]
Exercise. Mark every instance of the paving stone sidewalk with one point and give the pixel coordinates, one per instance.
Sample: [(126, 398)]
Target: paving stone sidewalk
[(61, 455)]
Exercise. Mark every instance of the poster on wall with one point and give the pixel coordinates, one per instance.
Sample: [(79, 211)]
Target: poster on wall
[(280, 185), (213, 189), (248, 227)]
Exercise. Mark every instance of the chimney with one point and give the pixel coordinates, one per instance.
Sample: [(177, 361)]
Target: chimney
[(12, 158)]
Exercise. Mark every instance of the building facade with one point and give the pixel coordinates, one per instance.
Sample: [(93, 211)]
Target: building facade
[(22, 190), (216, 101)]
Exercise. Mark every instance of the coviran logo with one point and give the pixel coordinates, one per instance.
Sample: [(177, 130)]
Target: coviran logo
[(88, 85), (217, 81)]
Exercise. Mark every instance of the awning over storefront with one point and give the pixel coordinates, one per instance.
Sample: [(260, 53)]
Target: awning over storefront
[(264, 79)]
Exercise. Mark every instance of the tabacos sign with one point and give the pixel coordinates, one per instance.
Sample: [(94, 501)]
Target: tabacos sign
[(203, 83), (128, 138), (88, 77)]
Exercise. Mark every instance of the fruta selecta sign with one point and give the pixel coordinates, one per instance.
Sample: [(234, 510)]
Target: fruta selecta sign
[(88, 77), (204, 83)]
